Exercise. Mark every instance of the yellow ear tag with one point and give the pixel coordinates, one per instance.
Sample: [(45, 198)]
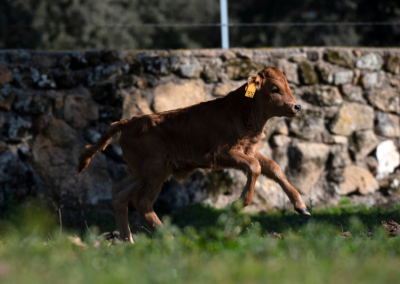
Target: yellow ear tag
[(250, 90)]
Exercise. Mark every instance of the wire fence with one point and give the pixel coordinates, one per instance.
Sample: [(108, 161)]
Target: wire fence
[(194, 25)]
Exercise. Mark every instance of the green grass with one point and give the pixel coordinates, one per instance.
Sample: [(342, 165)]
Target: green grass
[(210, 246)]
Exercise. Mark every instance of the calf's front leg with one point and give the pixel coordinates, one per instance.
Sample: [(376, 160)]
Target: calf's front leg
[(271, 170)]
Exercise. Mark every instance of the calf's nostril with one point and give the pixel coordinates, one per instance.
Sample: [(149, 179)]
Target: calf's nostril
[(297, 108)]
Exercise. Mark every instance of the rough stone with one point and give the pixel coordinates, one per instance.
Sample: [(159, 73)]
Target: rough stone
[(16, 180), (221, 90), (19, 55), (372, 165), (244, 53), (65, 62), (340, 57), (134, 104), (352, 93), (35, 103), (370, 61), (280, 145), (289, 70), (325, 72), (265, 149), (352, 117), (65, 78), (307, 73), (281, 127), (328, 138), (57, 168), (18, 128), (362, 143), (341, 160), (46, 82), (160, 66), (312, 55), (270, 128), (338, 162), (357, 75), (297, 57), (92, 135), (242, 69), (171, 96), (79, 112), (343, 77), (307, 124), (210, 53), (26, 77), (7, 97), (358, 179), (227, 55), (387, 124), (388, 158), (3, 146), (392, 63), (6, 75), (44, 60), (373, 80), (190, 68), (135, 66), (60, 133), (324, 96), (306, 163), (211, 70), (386, 100)]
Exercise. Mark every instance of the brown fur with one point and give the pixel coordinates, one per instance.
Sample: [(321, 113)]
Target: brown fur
[(217, 134)]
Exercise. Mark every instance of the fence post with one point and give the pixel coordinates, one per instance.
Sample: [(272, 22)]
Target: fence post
[(224, 23)]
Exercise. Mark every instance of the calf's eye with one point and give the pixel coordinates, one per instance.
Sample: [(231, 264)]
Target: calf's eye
[(275, 90)]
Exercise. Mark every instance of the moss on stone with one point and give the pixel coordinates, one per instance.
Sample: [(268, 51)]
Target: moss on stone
[(339, 57), (309, 76), (241, 69)]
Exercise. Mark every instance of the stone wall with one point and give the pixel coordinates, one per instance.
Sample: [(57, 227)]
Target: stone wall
[(345, 141)]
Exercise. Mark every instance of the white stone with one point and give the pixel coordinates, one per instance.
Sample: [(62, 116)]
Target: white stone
[(190, 69), (343, 77), (388, 158), (370, 61), (373, 80)]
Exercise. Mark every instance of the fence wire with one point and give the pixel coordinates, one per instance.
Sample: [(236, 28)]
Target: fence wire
[(194, 25)]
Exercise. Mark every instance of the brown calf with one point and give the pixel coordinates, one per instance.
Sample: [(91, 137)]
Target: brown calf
[(217, 134)]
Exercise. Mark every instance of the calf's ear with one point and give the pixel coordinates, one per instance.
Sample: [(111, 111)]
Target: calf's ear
[(256, 80)]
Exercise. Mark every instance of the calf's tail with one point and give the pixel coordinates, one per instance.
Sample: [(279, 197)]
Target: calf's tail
[(101, 144)]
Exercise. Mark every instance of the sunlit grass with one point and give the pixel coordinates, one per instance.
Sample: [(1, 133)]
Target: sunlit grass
[(217, 247)]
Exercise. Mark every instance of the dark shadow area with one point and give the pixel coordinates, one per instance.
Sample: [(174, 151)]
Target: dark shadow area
[(203, 218)]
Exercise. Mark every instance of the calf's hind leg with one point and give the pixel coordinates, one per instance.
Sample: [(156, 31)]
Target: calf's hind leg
[(144, 198), (122, 192)]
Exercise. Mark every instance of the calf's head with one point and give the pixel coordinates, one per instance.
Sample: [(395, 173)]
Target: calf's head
[(274, 93)]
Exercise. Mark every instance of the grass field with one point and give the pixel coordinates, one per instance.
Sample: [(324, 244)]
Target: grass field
[(210, 246)]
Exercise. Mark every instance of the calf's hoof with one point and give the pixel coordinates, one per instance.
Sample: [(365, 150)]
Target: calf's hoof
[(302, 211)]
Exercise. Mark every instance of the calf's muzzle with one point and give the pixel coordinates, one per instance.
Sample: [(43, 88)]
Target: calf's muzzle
[(297, 108)]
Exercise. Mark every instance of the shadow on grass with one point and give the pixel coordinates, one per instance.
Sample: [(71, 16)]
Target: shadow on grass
[(200, 217)]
